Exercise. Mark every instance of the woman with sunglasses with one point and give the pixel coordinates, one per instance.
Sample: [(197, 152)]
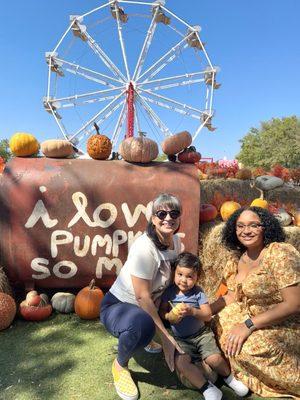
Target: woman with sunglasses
[(129, 309), (258, 321)]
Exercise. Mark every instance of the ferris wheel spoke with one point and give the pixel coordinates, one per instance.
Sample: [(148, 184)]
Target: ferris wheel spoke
[(119, 124), (176, 84), (154, 117), (85, 72), (168, 57), (117, 10), (146, 46), (94, 118), (81, 31), (172, 78), (71, 101), (166, 102)]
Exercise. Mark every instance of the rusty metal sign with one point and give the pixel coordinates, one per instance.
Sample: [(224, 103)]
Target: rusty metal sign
[(64, 222)]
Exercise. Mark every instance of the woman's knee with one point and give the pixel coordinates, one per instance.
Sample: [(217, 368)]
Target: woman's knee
[(144, 327)]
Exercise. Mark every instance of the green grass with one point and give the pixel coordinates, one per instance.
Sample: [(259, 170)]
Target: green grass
[(66, 358)]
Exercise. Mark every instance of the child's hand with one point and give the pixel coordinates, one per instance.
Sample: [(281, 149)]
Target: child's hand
[(187, 310)]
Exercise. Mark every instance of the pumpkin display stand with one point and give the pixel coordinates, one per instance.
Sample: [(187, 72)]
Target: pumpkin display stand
[(74, 219)]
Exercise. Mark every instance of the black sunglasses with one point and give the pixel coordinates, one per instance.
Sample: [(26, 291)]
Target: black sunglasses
[(161, 214)]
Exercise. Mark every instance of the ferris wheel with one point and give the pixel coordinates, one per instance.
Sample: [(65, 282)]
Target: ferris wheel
[(129, 67)]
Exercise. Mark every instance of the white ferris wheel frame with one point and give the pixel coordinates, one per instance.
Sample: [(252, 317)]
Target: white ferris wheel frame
[(117, 85)]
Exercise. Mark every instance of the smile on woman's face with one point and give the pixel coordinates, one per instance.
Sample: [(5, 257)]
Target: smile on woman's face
[(249, 230), (166, 226)]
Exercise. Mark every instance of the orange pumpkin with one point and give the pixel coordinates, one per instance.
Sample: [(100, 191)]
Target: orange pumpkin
[(99, 146), (176, 143), (228, 208), (297, 217), (88, 301), (7, 310)]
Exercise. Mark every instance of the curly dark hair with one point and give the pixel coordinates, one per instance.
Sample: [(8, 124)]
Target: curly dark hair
[(272, 232)]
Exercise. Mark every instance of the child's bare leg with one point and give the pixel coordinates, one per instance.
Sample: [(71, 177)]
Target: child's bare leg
[(189, 370), (218, 363)]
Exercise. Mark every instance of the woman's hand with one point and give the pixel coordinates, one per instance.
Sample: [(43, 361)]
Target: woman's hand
[(235, 339), (169, 346)]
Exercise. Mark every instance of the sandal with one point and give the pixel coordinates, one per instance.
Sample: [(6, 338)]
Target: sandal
[(153, 347)]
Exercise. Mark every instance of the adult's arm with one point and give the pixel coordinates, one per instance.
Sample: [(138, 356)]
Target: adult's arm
[(290, 305), (222, 302), (143, 295)]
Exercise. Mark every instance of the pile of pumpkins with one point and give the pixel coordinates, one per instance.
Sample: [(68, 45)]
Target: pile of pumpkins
[(138, 149), (208, 212), (38, 307)]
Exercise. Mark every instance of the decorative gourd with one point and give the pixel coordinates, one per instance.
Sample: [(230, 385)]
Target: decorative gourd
[(88, 301), (208, 212), (57, 148), (138, 149), (259, 202), (32, 313), (222, 290), (189, 155), (283, 217), (266, 182), (99, 146), (63, 302), (176, 143), (23, 144), (35, 307), (297, 217), (228, 208), (7, 310)]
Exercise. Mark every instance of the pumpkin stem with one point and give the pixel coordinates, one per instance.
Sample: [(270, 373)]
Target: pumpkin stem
[(92, 284), (97, 128), (142, 134), (252, 184)]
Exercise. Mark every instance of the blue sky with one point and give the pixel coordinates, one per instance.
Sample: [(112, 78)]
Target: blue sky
[(256, 45)]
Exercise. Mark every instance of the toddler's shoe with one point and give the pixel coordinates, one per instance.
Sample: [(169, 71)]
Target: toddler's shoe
[(124, 385), (153, 347), (237, 386), (212, 392)]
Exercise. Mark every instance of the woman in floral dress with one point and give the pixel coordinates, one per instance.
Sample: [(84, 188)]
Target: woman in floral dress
[(258, 321)]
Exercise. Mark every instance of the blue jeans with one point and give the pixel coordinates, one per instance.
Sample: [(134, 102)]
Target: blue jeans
[(128, 322)]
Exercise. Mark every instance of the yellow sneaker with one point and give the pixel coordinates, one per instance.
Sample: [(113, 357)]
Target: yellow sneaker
[(125, 387)]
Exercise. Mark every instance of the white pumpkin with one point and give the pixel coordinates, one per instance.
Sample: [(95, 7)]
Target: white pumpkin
[(63, 302)]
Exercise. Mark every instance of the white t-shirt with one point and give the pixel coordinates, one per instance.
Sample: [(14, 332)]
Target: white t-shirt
[(147, 262)]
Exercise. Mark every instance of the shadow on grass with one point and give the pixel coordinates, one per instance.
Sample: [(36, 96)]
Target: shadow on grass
[(34, 354)]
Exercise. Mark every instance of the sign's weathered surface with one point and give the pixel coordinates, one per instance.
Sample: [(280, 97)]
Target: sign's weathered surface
[(64, 222)]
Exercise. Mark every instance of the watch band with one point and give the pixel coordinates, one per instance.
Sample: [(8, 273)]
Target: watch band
[(249, 324)]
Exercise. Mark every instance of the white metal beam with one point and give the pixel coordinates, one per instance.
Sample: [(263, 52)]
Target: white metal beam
[(146, 46), (169, 56), (122, 42)]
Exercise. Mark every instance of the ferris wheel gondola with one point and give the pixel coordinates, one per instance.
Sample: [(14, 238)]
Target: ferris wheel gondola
[(120, 83)]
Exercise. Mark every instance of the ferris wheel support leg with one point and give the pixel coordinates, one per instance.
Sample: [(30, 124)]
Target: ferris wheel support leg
[(130, 111)]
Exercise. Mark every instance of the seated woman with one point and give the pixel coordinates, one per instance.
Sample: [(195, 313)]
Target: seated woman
[(129, 309), (258, 321)]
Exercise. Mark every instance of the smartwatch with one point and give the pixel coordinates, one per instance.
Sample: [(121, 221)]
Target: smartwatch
[(250, 325)]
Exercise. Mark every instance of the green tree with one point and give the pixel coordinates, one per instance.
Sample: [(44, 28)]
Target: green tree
[(4, 150), (161, 157), (276, 142)]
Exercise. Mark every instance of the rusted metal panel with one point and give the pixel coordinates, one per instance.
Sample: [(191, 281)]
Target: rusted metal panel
[(64, 222)]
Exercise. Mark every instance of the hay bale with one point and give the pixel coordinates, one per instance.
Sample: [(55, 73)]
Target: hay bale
[(293, 236), (214, 255), (4, 283)]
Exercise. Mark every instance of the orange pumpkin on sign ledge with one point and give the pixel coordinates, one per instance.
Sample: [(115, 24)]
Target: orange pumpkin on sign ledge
[(99, 146)]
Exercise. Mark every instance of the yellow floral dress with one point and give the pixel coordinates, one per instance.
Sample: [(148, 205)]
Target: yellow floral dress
[(269, 363)]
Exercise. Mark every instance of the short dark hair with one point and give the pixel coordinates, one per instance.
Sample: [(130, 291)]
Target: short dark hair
[(163, 200), (188, 260), (272, 230)]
